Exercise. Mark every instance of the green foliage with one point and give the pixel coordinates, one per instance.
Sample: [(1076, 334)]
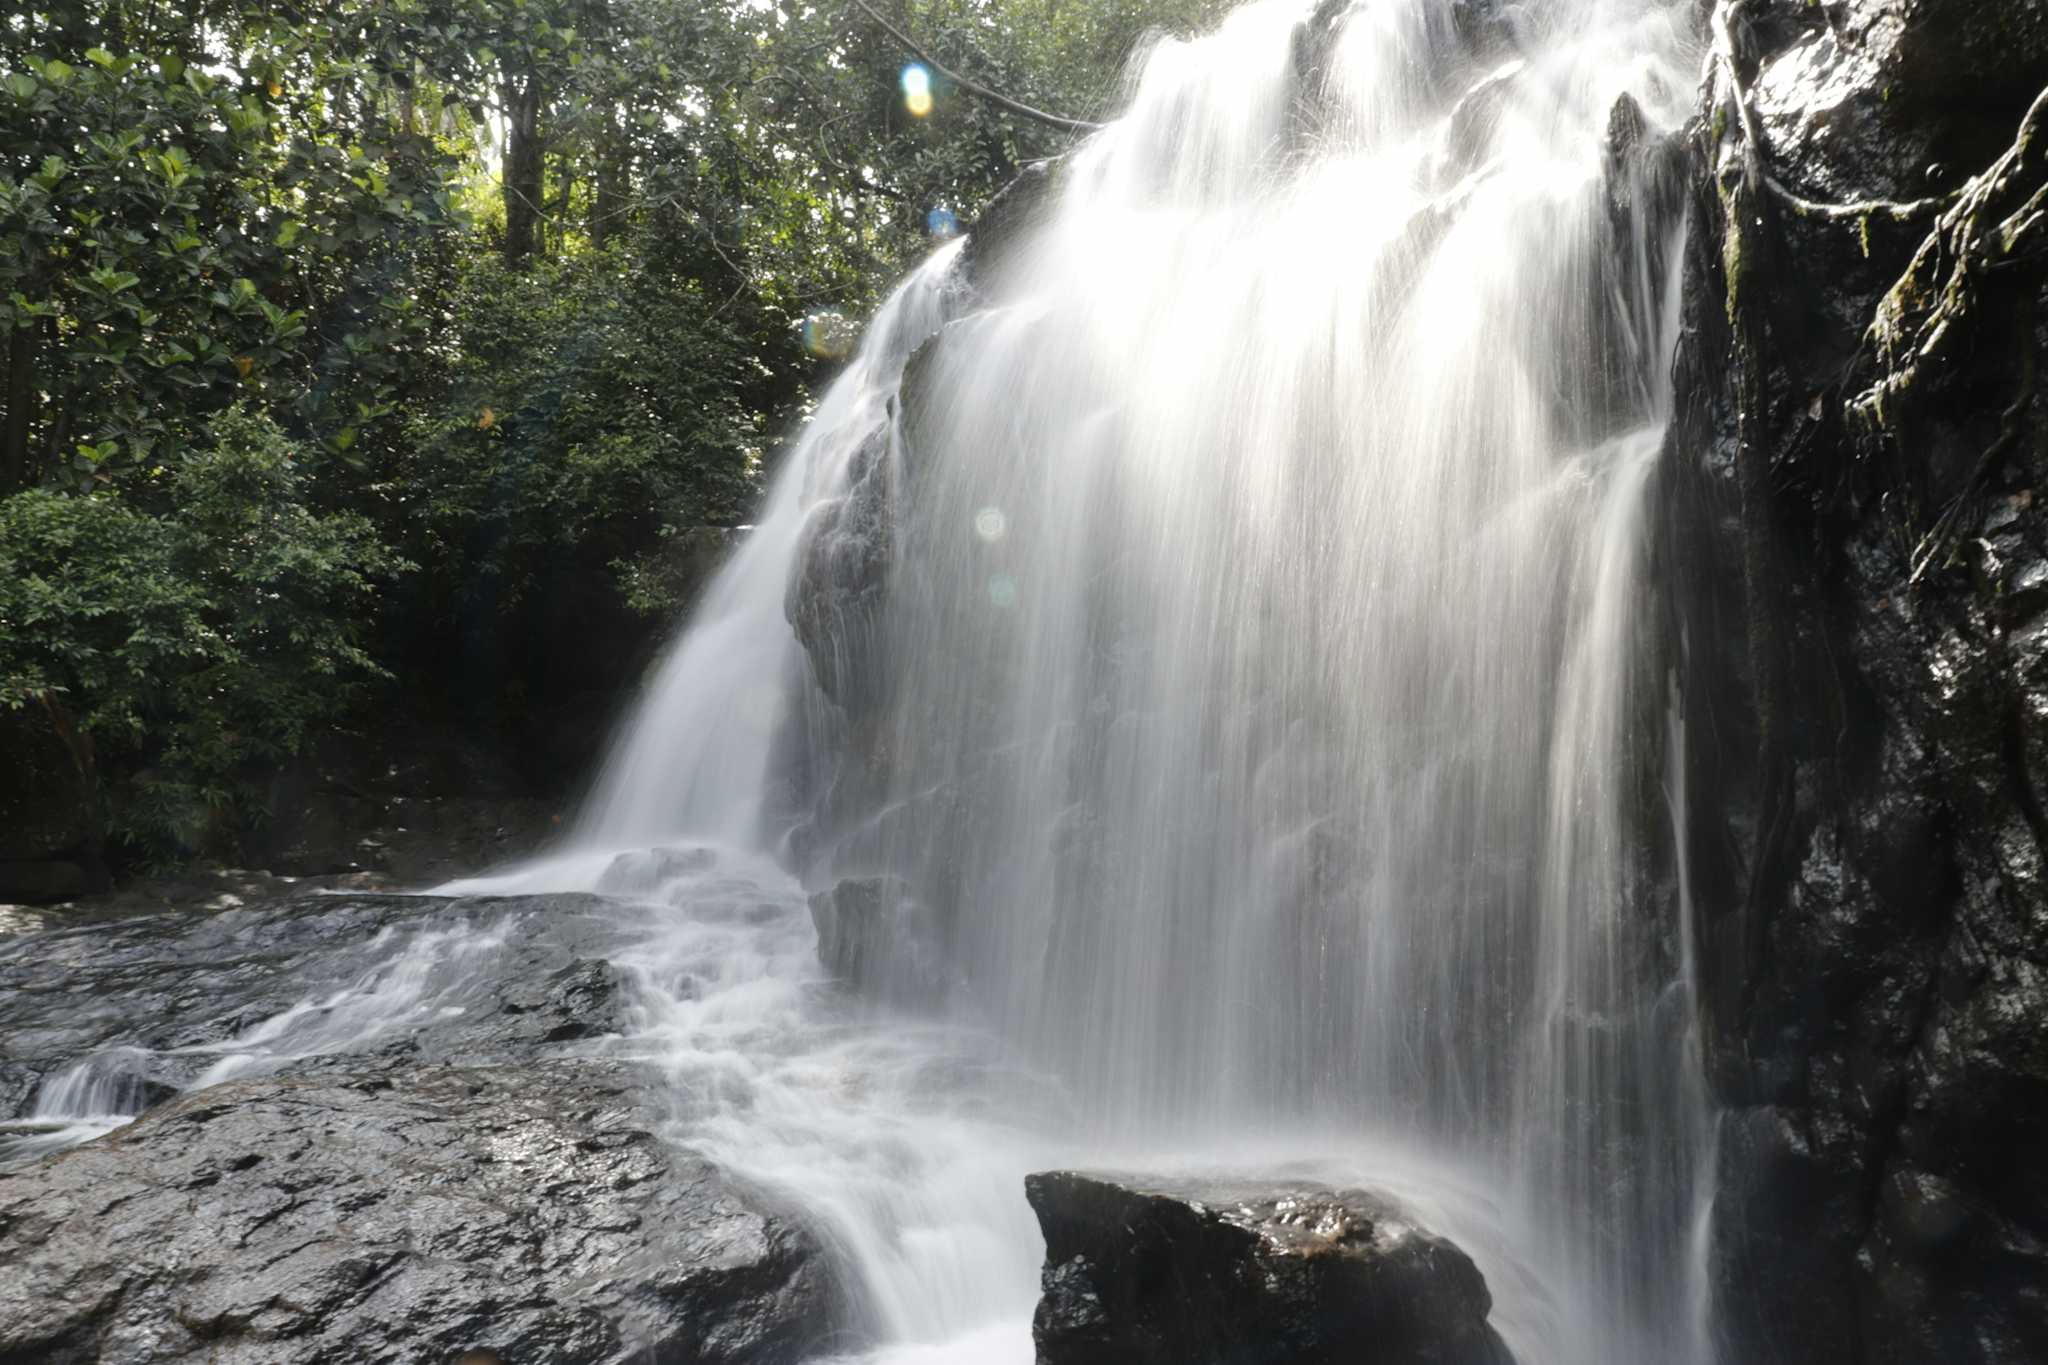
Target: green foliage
[(291, 297), (174, 238), (202, 629), (591, 409)]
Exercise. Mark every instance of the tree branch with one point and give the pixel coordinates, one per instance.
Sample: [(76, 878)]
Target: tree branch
[(973, 87)]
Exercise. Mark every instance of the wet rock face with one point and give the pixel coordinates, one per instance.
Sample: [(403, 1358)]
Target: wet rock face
[(1855, 551), (1143, 1272), (418, 1146), (1016, 208), (835, 597), (400, 1217), (508, 979), (874, 935)]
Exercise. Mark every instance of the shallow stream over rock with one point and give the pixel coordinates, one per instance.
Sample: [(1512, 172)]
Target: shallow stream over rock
[(563, 1126)]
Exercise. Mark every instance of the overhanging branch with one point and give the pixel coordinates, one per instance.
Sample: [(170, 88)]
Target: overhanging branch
[(975, 88)]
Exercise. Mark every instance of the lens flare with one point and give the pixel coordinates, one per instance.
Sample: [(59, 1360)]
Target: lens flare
[(942, 223), (829, 335), (1002, 590), (990, 524), (917, 90)]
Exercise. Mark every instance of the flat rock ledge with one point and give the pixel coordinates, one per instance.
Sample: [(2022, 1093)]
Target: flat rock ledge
[(401, 1215), (1143, 1271)]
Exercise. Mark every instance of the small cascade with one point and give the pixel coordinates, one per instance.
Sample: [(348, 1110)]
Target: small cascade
[(694, 759), (88, 1099), (360, 998)]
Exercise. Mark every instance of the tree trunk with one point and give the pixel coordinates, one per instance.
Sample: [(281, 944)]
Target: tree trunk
[(15, 469), (604, 145), (523, 168)]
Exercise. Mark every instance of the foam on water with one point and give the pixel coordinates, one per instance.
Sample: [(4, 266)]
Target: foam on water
[(906, 1139)]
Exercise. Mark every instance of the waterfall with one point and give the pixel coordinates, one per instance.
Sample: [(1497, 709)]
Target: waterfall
[(1220, 611), (694, 756)]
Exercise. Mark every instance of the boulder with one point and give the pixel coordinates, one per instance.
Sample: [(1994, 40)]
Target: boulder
[(1140, 1271), (407, 1215), (644, 871), (877, 937)]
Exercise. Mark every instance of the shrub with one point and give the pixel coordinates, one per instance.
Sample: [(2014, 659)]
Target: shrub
[(594, 409), (183, 630)]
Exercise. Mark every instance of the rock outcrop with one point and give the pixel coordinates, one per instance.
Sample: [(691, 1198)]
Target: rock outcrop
[(492, 980), (400, 1216), (1857, 556), (373, 1128), (1177, 1272), (874, 935)]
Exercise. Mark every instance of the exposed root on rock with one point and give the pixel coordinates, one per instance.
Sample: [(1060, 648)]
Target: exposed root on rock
[(1994, 224), (1923, 328)]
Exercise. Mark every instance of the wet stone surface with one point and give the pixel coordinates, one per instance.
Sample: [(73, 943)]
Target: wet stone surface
[(1143, 1271), (400, 1215), (388, 979), (374, 1128), (1863, 677)]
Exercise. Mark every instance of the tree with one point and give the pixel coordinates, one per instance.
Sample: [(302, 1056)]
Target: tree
[(201, 639), (510, 289), (175, 237)]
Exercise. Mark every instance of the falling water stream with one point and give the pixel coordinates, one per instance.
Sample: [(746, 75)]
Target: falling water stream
[(1262, 699), (1262, 678)]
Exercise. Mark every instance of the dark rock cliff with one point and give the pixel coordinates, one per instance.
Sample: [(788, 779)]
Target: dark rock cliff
[(1857, 567)]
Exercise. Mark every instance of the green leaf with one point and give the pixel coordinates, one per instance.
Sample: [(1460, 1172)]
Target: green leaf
[(100, 57), (23, 86), (114, 281)]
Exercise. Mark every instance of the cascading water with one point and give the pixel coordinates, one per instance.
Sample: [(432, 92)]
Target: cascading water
[(695, 756), (1229, 636)]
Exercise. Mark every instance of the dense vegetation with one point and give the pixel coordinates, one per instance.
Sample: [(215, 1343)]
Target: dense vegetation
[(395, 352)]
